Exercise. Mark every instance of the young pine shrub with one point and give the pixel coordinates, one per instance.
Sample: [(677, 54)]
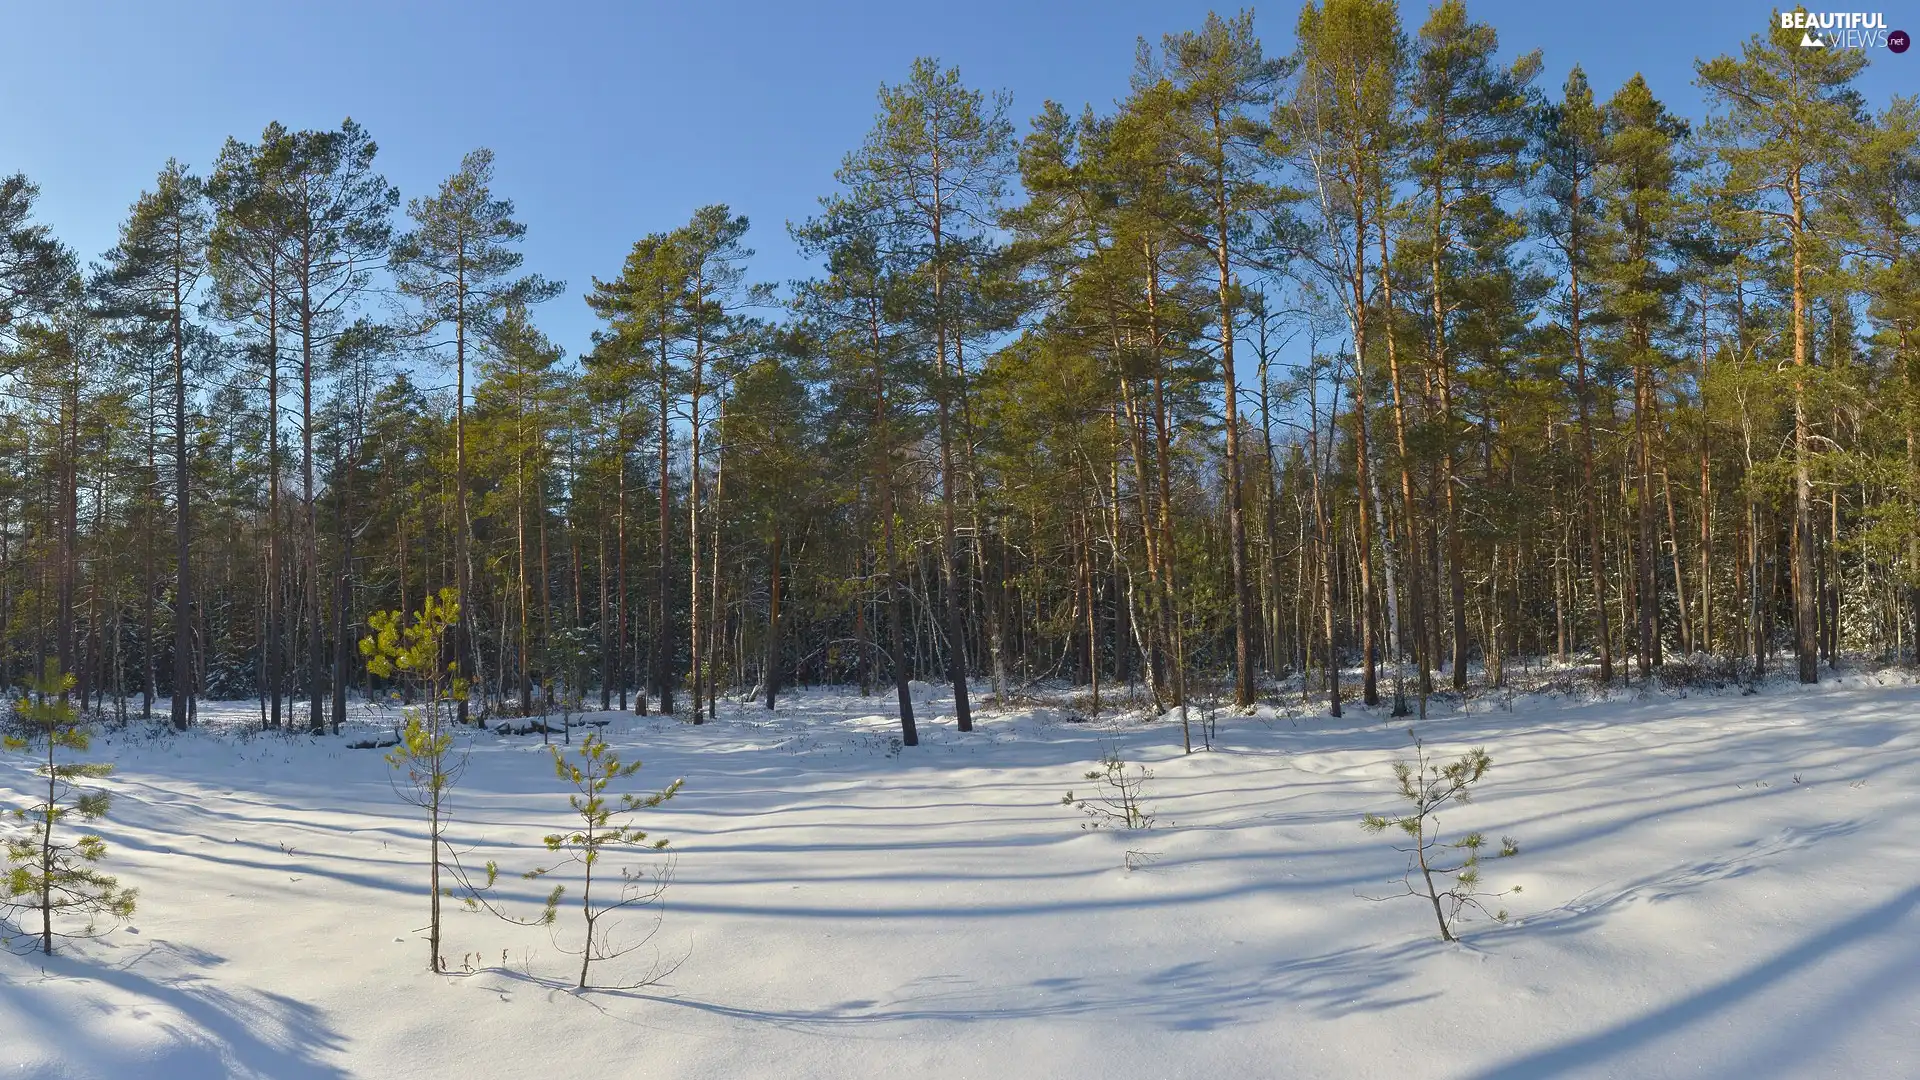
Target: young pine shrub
[(1116, 801), (1448, 875), (425, 762), (50, 872), (566, 656), (603, 829)]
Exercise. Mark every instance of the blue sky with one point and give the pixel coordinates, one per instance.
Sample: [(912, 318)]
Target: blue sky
[(610, 120)]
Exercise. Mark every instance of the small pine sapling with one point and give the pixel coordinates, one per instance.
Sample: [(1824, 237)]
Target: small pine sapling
[(425, 763), (589, 771), (49, 872), (1116, 800), (567, 654), (1450, 882), (544, 701), (572, 703), (1213, 696)]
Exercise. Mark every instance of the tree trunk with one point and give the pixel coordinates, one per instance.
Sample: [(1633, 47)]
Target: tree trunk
[(773, 619), (1804, 616), (883, 479), (1236, 516), (182, 527)]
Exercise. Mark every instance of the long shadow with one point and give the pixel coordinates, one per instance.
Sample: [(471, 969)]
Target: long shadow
[(1199, 995), (1886, 988), (252, 1033), (1008, 910), (1630, 1035), (1753, 856), (303, 869)]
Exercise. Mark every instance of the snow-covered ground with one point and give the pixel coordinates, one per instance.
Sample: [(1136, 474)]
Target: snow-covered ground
[(1718, 885)]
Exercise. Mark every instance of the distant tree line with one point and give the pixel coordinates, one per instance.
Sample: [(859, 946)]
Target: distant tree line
[(1373, 355)]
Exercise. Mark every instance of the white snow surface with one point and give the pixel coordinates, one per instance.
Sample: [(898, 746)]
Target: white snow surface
[(1714, 886)]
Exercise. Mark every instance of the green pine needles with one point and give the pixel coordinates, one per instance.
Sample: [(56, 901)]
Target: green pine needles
[(49, 871), (590, 770), (425, 763), (1448, 874), (566, 656), (1116, 801)]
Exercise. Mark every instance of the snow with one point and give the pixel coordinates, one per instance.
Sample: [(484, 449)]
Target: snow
[(1718, 885)]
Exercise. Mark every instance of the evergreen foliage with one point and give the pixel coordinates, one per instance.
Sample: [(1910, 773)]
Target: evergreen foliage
[(49, 871), (1343, 349), (604, 829), (1448, 873), (427, 762), (1117, 798)]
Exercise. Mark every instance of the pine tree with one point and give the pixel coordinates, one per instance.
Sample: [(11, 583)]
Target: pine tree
[(1214, 87), (338, 230), (772, 427), (712, 262), (1788, 118), (247, 253), (34, 266), (361, 360), (642, 308), (1569, 143), (603, 830), (857, 310), (1452, 887), (412, 650), (931, 174), (1468, 137), (1882, 193), (458, 264), (153, 276), (1639, 302), (49, 872), (514, 424), (1342, 124), (1157, 314)]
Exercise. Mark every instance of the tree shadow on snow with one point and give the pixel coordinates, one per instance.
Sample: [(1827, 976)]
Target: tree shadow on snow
[(1190, 996), (210, 1029), (1809, 1035), (1577, 914), (1208, 995)]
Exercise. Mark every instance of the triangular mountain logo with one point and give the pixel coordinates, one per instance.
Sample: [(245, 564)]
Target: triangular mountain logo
[(1808, 41)]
